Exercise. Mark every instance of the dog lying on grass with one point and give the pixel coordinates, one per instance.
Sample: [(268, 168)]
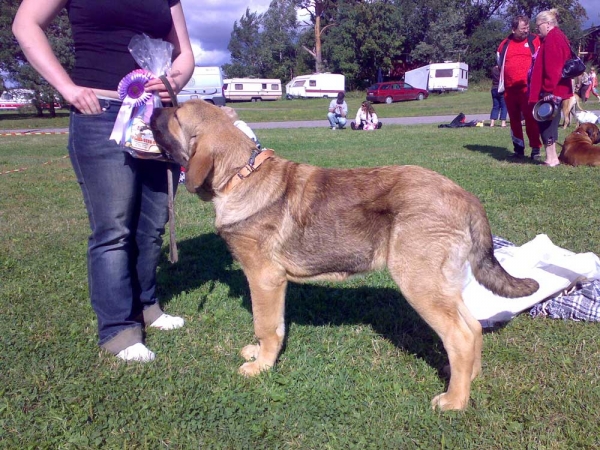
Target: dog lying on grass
[(285, 221), (579, 149)]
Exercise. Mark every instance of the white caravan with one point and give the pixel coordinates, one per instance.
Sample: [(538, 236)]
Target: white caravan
[(207, 84), (316, 85), (251, 89), (440, 77)]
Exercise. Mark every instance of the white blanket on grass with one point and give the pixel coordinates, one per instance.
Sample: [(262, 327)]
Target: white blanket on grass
[(554, 268)]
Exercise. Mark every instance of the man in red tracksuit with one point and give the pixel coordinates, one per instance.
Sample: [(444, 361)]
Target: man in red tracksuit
[(514, 59)]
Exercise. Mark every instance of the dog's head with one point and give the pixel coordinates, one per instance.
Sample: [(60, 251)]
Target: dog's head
[(590, 130), (195, 135)]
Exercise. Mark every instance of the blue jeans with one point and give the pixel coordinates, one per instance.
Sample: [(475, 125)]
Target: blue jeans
[(333, 120), (498, 105), (127, 204)]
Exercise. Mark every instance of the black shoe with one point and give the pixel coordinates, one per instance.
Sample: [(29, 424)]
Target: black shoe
[(353, 125), (535, 154), (518, 156), (379, 125)]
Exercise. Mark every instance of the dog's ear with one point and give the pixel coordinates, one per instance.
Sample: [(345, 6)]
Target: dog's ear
[(199, 168)]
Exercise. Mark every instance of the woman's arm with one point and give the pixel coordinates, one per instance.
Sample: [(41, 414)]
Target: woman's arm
[(183, 57), (29, 26)]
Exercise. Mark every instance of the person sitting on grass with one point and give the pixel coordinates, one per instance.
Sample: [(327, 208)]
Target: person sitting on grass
[(366, 119), (338, 110)]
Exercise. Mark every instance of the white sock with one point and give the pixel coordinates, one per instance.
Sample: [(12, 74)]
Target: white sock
[(136, 352), (167, 322)]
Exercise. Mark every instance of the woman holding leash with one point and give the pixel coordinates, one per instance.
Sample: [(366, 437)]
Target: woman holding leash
[(125, 197), (547, 82)]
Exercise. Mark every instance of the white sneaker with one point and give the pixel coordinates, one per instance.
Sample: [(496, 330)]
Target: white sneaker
[(167, 322), (333, 128), (136, 352)]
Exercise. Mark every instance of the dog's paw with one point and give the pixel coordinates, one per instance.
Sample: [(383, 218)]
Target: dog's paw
[(250, 352), (446, 403), (251, 369)]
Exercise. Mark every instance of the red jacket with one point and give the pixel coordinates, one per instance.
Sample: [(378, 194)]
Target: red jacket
[(546, 77)]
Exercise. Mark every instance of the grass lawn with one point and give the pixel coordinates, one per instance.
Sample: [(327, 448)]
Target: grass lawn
[(359, 368), (474, 101)]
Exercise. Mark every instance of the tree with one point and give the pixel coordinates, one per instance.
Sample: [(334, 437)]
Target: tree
[(278, 39), (445, 39), (15, 65), (366, 39), (245, 47), (322, 13)]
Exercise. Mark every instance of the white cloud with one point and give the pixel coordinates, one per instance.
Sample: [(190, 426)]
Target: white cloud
[(210, 24)]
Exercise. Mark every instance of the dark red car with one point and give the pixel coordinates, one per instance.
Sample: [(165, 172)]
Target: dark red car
[(394, 91)]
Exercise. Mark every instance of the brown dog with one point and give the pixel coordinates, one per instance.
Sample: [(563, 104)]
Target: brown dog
[(568, 109), (579, 149), (285, 221)]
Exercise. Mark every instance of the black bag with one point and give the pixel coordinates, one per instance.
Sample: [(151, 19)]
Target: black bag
[(459, 122), (573, 67)]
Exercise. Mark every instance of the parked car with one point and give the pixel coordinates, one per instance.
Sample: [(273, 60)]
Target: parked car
[(394, 91)]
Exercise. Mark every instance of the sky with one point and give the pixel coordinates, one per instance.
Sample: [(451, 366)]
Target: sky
[(210, 23)]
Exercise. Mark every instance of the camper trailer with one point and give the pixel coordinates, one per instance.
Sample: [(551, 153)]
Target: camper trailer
[(317, 85), (440, 77), (251, 89), (206, 84)]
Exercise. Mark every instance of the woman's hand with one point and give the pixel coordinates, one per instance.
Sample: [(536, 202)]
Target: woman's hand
[(82, 98), (157, 85)]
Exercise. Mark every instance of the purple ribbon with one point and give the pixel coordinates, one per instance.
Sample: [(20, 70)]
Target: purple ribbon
[(131, 91)]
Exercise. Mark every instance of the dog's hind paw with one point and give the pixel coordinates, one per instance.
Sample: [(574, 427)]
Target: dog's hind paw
[(250, 352)]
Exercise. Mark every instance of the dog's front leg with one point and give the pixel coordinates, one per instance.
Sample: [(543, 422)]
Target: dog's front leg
[(267, 289)]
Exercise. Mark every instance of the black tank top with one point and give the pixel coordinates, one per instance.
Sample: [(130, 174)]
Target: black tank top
[(102, 31)]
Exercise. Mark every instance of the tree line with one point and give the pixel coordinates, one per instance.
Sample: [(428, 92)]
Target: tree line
[(357, 38)]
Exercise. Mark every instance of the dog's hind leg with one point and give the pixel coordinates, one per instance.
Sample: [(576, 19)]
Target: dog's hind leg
[(267, 289), (432, 284)]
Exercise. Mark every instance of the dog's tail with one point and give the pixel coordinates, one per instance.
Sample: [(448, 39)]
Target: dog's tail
[(578, 102), (486, 268)]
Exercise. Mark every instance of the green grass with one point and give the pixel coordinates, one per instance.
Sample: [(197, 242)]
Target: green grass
[(473, 101), (359, 368)]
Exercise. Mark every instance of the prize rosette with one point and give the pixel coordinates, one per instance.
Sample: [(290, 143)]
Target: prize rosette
[(131, 127)]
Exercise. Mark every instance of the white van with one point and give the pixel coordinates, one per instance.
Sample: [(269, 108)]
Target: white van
[(207, 84), (316, 85), (440, 77), (251, 89)]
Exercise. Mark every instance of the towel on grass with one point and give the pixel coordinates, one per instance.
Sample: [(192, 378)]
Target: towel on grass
[(554, 268)]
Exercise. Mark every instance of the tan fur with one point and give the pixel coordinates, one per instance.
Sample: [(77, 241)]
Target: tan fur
[(296, 222), (568, 109), (579, 149)]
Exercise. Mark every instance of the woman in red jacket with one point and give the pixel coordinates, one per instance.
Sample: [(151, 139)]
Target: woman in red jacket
[(546, 78)]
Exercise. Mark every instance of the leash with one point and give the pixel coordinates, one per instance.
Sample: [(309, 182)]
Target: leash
[(173, 254)]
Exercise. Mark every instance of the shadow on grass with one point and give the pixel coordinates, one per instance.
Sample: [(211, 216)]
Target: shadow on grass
[(499, 153), (206, 259)]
